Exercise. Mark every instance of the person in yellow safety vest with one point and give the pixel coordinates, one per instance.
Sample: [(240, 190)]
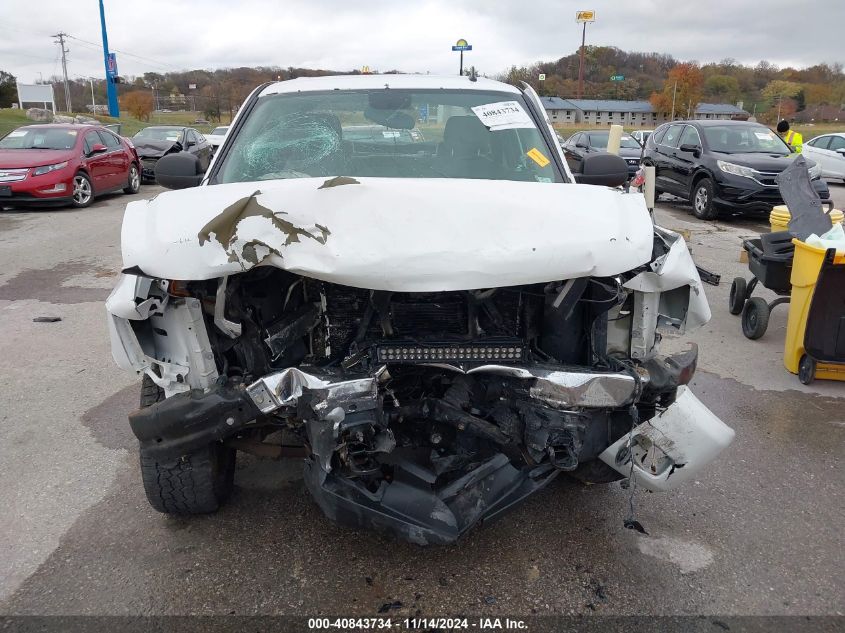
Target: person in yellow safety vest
[(790, 137)]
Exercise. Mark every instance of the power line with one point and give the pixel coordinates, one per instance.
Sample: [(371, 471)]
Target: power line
[(115, 50)]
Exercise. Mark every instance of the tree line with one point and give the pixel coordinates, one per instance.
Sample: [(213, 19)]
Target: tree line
[(764, 89)]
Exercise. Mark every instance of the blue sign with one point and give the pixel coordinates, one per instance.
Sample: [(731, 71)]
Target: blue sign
[(465, 47), (423, 112), (111, 65)]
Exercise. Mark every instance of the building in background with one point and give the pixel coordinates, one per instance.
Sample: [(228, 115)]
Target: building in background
[(627, 113)]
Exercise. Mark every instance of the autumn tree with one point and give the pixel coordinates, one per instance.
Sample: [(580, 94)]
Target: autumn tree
[(779, 94), (722, 88), (779, 89), (139, 103), (684, 82)]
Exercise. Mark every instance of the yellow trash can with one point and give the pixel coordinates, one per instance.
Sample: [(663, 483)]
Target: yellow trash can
[(805, 272), (779, 217)]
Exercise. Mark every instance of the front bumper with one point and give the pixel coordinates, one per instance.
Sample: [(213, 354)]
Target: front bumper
[(668, 449), (746, 195), (148, 169), (672, 447), (38, 191)]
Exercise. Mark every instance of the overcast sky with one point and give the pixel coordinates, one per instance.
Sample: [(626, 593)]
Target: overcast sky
[(413, 36)]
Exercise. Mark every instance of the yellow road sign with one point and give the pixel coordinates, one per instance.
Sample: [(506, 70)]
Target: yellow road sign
[(585, 16)]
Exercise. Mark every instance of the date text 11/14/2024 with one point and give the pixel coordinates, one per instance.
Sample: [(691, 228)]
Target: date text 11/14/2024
[(413, 624)]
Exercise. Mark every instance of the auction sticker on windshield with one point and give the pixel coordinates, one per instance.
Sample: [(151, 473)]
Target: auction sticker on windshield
[(503, 115), (537, 156)]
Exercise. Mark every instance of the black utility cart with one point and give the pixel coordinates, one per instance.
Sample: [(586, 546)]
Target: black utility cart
[(770, 263)]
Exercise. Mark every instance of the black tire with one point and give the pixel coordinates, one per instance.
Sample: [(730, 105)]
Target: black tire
[(701, 199), (134, 180), (755, 318), (150, 392), (739, 293), (806, 370), (83, 191), (196, 483)]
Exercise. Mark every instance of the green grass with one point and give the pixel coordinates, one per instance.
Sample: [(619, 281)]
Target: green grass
[(11, 119)]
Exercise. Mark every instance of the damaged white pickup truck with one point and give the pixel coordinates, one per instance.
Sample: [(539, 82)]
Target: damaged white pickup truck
[(443, 317)]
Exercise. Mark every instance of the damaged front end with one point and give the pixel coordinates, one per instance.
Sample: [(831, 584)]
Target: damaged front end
[(424, 413), (149, 151)]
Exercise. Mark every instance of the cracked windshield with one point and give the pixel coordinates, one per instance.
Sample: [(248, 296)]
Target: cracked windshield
[(390, 133)]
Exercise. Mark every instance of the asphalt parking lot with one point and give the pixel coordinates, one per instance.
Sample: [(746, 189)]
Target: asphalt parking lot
[(759, 533)]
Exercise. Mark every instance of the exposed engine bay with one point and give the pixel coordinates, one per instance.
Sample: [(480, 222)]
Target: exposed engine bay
[(422, 413)]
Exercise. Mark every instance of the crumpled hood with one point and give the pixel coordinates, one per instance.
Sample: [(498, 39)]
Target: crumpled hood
[(154, 149), (397, 234)]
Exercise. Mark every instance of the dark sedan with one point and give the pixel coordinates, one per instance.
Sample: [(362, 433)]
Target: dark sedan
[(722, 166), (159, 140), (582, 143)]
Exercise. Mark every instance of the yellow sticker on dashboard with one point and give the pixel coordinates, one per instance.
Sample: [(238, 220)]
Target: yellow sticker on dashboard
[(537, 156)]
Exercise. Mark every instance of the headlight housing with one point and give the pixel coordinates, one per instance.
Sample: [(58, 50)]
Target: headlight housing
[(815, 171), (46, 169), (737, 170)]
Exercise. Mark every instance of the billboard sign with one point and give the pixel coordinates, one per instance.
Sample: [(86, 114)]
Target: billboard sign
[(462, 45), (585, 16), (36, 93)]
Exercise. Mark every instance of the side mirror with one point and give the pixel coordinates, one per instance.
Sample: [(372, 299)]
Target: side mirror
[(840, 151), (601, 168), (179, 171), (189, 144), (695, 150), (582, 146), (98, 148)]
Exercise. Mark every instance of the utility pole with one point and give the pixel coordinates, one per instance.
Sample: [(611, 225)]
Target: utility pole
[(674, 91), (60, 40), (93, 103)]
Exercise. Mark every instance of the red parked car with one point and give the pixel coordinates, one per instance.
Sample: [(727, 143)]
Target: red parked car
[(65, 164)]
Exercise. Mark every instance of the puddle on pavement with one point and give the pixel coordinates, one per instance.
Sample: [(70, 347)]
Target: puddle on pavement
[(48, 285)]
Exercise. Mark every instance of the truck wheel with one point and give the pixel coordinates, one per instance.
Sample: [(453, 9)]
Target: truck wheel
[(196, 483), (755, 318), (739, 292), (703, 206), (806, 370)]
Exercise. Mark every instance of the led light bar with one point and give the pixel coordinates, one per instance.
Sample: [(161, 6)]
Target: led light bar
[(472, 353)]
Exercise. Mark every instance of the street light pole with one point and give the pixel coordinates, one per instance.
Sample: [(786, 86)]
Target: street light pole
[(581, 65), (583, 17)]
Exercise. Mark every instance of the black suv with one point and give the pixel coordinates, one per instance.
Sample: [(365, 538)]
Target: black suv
[(581, 144), (722, 165)]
